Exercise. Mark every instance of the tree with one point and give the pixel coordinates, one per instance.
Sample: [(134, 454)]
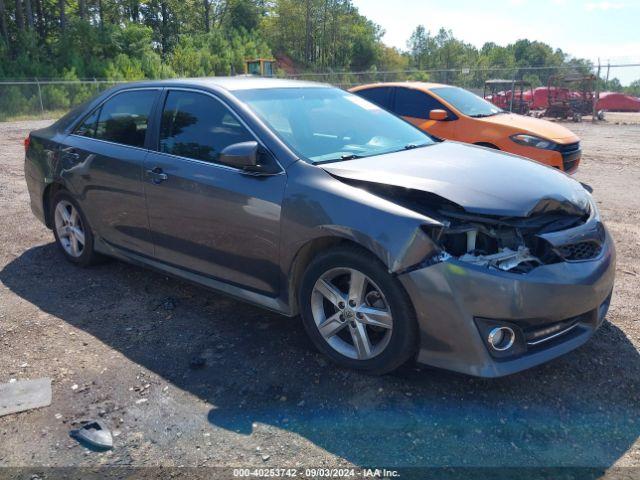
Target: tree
[(633, 88), (613, 85), (19, 16), (28, 13), (421, 47), (63, 14), (132, 39), (242, 14), (321, 34), (4, 33), (207, 15)]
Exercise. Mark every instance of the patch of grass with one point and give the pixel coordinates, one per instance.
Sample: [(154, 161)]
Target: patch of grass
[(47, 115)]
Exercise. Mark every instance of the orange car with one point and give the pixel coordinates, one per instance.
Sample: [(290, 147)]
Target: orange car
[(456, 114)]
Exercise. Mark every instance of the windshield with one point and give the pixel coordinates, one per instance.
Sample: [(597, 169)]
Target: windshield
[(466, 102), (327, 124)]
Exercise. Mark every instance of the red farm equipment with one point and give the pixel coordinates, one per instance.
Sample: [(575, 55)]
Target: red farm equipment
[(512, 95), (570, 96)]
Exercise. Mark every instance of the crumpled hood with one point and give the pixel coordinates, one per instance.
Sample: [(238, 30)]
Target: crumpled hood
[(478, 179), (533, 126)]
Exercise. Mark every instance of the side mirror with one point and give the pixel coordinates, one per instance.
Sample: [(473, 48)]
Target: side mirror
[(242, 155), (438, 115)]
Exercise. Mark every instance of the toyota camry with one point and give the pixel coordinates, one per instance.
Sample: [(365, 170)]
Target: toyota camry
[(308, 200)]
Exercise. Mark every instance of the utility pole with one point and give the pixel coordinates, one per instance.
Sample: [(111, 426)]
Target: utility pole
[(513, 92), (594, 115)]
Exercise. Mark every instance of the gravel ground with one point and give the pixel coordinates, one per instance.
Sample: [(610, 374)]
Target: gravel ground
[(117, 342)]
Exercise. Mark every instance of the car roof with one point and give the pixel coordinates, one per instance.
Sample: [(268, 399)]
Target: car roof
[(417, 85), (240, 82)]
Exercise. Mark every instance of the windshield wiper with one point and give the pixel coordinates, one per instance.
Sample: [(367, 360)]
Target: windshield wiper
[(350, 156), (411, 146), (482, 115), (346, 156), (354, 156)]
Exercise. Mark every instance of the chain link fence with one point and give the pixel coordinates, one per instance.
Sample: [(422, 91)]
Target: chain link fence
[(471, 78), (50, 98), (46, 98)]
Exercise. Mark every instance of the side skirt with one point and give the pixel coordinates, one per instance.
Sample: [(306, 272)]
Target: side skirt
[(255, 298)]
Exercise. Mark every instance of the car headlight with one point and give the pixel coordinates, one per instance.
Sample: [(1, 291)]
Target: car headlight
[(533, 141)]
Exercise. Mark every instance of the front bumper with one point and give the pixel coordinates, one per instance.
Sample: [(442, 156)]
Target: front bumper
[(448, 298), (571, 155), (565, 157)]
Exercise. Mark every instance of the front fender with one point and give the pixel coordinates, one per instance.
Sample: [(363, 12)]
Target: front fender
[(316, 205)]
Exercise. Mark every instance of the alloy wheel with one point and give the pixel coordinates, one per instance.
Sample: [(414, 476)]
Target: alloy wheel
[(351, 313), (69, 228)]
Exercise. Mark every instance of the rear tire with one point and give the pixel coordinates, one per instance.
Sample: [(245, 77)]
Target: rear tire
[(72, 231), (356, 313)]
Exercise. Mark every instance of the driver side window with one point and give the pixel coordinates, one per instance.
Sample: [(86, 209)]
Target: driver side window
[(197, 126), (415, 104)]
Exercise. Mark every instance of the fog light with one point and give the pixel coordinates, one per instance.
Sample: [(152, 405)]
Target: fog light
[(501, 338)]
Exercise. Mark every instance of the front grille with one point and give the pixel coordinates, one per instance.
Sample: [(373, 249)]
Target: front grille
[(569, 162), (569, 147), (537, 335), (580, 251), (571, 155)]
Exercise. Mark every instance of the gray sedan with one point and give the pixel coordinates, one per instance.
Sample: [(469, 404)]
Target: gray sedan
[(308, 200)]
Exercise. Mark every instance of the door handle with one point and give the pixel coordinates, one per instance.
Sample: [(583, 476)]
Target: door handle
[(157, 175)]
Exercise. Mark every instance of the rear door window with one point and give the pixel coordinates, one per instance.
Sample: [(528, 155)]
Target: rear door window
[(121, 119), (381, 96), (197, 126), (88, 127), (414, 103)]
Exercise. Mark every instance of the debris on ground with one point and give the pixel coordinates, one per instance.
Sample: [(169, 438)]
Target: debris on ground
[(169, 304), (94, 434), (19, 396)]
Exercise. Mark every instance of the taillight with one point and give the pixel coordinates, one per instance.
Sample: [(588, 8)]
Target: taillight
[(27, 142)]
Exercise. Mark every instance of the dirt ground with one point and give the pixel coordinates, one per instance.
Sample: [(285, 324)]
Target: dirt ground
[(117, 342)]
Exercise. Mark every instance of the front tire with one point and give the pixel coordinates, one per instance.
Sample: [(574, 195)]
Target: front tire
[(72, 231), (356, 313)]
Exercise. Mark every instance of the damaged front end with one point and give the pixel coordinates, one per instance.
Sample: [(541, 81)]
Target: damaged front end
[(551, 232), (520, 244), (516, 245)]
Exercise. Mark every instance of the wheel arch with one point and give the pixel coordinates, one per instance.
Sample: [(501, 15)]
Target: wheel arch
[(47, 197), (487, 144), (306, 254)]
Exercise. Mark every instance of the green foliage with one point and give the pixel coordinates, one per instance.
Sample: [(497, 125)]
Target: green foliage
[(124, 40), (322, 34), (532, 61), (633, 88), (16, 100)]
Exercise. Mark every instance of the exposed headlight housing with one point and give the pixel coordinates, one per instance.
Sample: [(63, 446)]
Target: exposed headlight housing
[(533, 141)]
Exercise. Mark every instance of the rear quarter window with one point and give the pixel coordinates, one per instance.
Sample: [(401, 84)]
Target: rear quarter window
[(122, 119)]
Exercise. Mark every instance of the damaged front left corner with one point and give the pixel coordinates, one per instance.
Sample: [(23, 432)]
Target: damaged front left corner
[(418, 248), (506, 259)]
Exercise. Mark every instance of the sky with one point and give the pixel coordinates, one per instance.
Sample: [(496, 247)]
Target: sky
[(587, 29)]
